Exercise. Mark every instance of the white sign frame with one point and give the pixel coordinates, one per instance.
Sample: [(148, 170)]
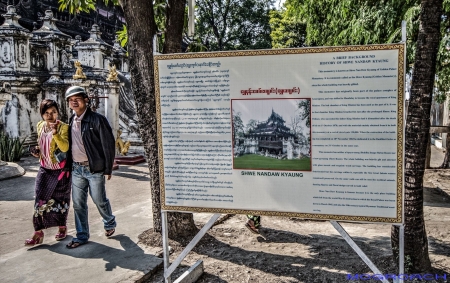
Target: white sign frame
[(377, 56)]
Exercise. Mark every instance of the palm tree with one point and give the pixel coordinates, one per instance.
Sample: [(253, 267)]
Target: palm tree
[(416, 138)]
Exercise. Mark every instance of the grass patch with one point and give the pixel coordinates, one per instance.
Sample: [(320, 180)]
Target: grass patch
[(254, 161)]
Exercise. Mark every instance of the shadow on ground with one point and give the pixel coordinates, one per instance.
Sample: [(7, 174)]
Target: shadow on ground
[(17, 189), (438, 246), (113, 257), (315, 258)]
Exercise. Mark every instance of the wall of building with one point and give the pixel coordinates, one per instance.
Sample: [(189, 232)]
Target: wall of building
[(39, 64)]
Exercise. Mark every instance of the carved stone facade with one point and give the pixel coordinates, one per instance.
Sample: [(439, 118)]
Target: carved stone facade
[(109, 18), (272, 138), (40, 64)]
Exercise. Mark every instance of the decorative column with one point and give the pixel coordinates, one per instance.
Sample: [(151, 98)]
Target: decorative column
[(14, 44), (120, 55), (18, 115), (94, 52), (8, 170), (5, 95), (55, 42), (57, 60)]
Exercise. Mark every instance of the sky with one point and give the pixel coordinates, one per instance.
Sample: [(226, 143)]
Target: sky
[(260, 109), (279, 3)]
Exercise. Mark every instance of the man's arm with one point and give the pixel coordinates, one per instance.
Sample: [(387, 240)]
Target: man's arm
[(108, 145)]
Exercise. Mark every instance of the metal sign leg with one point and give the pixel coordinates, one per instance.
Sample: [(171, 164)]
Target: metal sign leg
[(169, 268), (401, 252), (355, 247), (165, 239)]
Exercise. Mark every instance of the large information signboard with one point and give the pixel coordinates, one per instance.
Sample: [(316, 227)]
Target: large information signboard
[(312, 132)]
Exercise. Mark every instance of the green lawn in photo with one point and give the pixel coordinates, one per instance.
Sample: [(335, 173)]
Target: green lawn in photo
[(254, 161)]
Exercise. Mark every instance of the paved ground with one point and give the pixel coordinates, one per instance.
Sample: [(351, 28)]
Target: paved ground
[(118, 259)]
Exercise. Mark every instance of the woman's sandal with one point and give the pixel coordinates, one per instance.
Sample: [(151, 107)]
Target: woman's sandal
[(73, 245), (109, 233), (62, 233), (37, 239), (250, 226)]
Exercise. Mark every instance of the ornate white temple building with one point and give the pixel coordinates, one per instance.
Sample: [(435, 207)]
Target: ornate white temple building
[(271, 138), (40, 63)]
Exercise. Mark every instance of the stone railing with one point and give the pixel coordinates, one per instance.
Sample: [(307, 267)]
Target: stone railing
[(271, 144)]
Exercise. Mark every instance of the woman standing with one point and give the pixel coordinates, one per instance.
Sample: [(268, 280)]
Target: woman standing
[(53, 182)]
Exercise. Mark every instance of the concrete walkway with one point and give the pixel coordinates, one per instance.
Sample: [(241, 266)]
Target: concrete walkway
[(117, 259)]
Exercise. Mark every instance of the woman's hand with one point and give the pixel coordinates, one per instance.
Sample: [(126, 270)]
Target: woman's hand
[(54, 127), (35, 151)]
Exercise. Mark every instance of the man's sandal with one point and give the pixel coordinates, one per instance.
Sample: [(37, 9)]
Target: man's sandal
[(109, 233), (73, 245)]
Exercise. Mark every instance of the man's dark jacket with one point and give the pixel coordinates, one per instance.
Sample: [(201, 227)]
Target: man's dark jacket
[(98, 141)]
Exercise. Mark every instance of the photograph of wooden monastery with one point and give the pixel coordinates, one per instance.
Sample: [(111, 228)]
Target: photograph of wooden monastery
[(272, 134)]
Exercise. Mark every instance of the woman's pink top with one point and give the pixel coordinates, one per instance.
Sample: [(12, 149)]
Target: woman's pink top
[(44, 147)]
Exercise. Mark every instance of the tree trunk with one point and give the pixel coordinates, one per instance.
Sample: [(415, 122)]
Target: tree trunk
[(179, 224), (174, 26), (141, 31), (417, 135)]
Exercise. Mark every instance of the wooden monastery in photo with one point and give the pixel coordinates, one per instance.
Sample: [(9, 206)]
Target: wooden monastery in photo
[(271, 138)]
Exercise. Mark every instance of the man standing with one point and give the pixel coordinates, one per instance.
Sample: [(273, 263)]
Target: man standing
[(93, 151)]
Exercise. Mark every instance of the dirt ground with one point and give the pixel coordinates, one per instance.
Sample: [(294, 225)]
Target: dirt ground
[(297, 250)]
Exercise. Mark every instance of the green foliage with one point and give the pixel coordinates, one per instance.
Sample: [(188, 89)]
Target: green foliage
[(233, 24), (122, 36), (196, 46), (442, 81), (239, 24), (440, 97), (349, 22), (11, 149), (159, 10), (412, 30), (195, 43), (77, 6), (346, 22), (287, 31)]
